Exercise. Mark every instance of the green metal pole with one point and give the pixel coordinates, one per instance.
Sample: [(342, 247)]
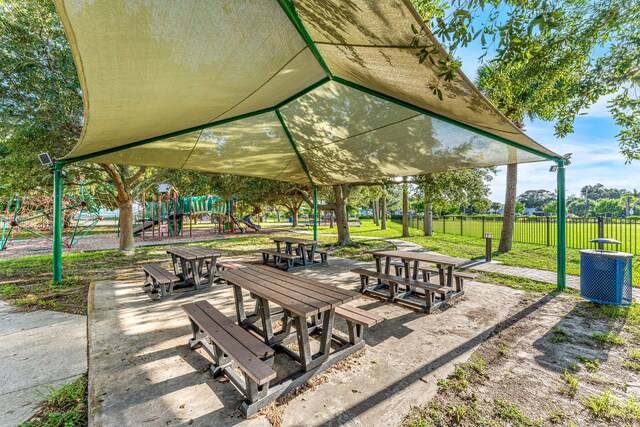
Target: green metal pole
[(562, 227), (57, 223), (315, 213)]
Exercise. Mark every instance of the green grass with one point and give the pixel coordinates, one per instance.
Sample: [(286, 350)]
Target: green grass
[(521, 255), (609, 338), (609, 407), (62, 407), (592, 366), (511, 412), (570, 384), (632, 361), (559, 334)]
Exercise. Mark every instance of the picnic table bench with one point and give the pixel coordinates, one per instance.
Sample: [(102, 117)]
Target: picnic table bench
[(297, 253), (158, 281), (435, 295), (231, 347)]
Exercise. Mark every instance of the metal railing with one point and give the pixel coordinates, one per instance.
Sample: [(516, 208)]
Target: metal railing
[(540, 230)]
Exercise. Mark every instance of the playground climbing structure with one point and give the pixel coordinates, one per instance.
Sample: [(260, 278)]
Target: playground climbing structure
[(31, 216)]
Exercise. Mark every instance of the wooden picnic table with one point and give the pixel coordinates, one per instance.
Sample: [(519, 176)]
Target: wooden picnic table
[(195, 265), (305, 248), (300, 299), (444, 263)]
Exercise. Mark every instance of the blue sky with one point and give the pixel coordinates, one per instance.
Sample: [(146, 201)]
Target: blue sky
[(596, 157)]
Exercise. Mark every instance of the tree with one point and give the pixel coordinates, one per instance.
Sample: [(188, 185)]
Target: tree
[(551, 61), (41, 110), (405, 208), (550, 208), (580, 207), (608, 207), (599, 191), (628, 201), (520, 207), (536, 198)]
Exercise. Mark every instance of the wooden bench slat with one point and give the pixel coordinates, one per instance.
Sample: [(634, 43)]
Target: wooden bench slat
[(250, 363), (253, 344), (159, 273), (401, 280), (357, 315), (280, 254)]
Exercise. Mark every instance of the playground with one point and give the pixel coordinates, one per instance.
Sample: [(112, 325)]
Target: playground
[(155, 292)]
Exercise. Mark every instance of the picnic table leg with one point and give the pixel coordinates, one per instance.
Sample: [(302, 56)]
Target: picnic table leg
[(304, 348), (240, 313), (378, 267), (265, 315), (196, 274), (278, 246), (303, 254), (185, 270), (450, 276), (176, 266), (441, 274), (212, 270)]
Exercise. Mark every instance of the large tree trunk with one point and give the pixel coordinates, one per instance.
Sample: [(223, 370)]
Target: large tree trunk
[(127, 242), (427, 225), (405, 208), (342, 219), (383, 213), (506, 237), (375, 212)]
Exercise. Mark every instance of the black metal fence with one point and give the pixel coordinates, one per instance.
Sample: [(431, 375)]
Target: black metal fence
[(540, 230)]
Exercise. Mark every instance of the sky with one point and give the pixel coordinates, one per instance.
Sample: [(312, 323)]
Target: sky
[(596, 157)]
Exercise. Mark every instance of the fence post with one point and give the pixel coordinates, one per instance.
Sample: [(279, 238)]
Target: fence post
[(548, 231), (444, 224), (461, 225), (483, 232), (600, 231)]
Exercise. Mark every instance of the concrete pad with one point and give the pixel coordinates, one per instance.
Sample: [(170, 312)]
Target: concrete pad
[(142, 372), (37, 349)]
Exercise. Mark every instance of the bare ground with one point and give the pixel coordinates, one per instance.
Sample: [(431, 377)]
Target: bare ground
[(517, 377)]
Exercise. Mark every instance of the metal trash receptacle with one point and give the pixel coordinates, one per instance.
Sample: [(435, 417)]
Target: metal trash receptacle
[(606, 276)]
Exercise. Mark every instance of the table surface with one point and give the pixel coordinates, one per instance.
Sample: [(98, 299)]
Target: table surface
[(299, 295), (193, 252), (420, 256), (295, 240)]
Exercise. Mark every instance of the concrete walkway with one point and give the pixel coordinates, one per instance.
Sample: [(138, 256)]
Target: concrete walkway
[(37, 349), (142, 373)]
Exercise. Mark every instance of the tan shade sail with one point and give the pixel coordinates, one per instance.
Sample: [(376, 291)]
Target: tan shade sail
[(327, 91)]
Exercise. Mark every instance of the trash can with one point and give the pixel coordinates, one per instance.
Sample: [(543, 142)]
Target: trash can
[(606, 276)]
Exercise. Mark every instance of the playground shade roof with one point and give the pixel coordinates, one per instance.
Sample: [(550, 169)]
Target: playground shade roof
[(327, 91)]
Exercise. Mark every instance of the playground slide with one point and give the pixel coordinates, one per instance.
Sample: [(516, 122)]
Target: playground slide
[(146, 225), (235, 221), (247, 220)]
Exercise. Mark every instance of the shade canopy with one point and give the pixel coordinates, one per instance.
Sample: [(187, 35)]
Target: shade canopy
[(320, 91)]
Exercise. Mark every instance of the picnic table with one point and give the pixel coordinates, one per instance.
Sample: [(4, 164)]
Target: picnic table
[(299, 253), (300, 299), (308, 306), (388, 283), (194, 265)]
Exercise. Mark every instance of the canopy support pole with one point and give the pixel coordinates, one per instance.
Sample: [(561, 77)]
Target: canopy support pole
[(562, 226), (315, 213), (58, 174)]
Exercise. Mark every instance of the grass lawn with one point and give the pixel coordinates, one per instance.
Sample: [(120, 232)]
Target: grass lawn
[(26, 282), (521, 254)]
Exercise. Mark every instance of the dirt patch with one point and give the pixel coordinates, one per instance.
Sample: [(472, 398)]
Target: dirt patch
[(557, 360)]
